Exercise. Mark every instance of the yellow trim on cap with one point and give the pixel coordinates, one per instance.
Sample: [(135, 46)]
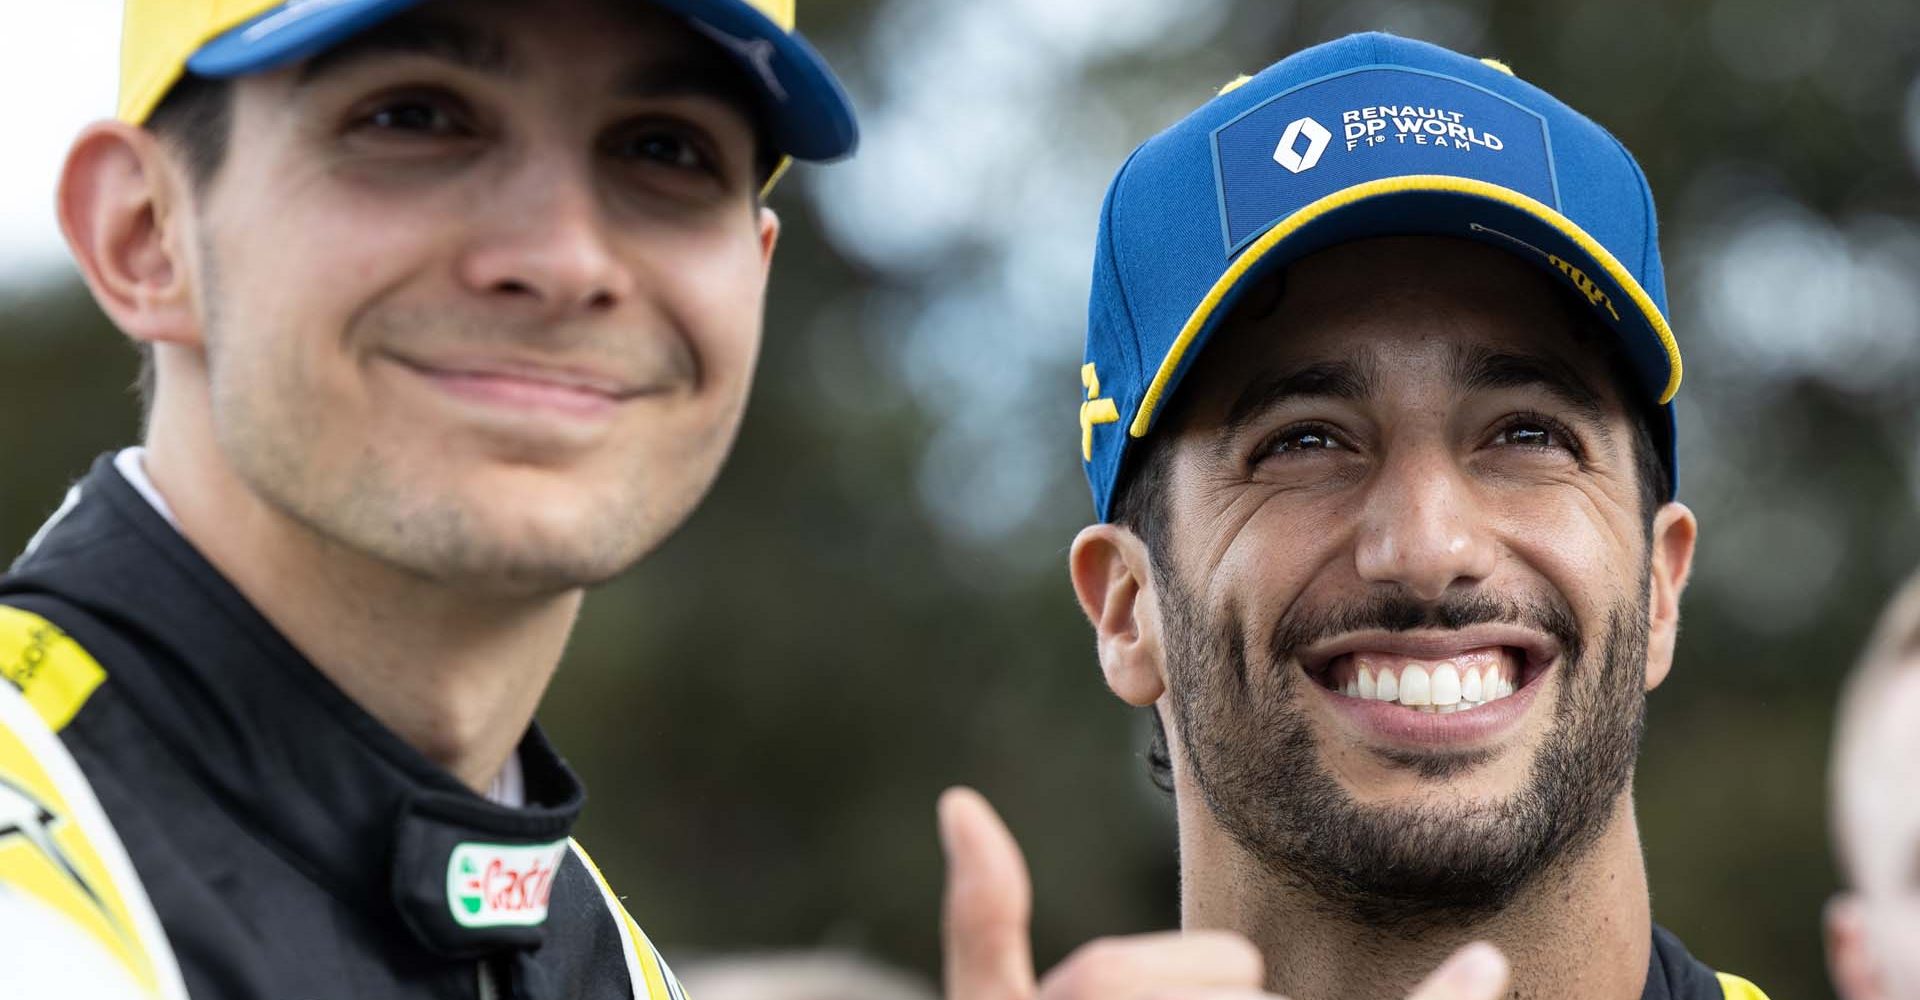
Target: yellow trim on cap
[(1232, 85), (780, 12), (1143, 418), (157, 37), (779, 170)]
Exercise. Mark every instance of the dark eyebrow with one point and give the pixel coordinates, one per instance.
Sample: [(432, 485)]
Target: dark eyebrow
[(683, 74), (687, 75), (417, 35), (1480, 369), (1323, 379)]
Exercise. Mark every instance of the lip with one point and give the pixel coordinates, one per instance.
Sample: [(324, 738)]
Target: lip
[(1396, 725), (515, 384), (1539, 648)]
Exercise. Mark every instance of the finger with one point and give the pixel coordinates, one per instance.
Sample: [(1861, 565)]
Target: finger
[(989, 903), (1157, 965), (1475, 972)]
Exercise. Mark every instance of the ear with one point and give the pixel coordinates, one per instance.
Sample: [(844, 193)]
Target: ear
[(1850, 959), (1113, 577), (1674, 533), (122, 206), (769, 234)]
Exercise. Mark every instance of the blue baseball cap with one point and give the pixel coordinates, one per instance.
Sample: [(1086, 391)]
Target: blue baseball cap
[(1370, 135), (807, 113)]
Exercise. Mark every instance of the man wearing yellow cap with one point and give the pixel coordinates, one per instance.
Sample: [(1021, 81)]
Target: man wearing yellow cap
[(449, 311)]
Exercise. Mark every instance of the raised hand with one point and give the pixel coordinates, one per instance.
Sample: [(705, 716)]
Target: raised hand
[(989, 951)]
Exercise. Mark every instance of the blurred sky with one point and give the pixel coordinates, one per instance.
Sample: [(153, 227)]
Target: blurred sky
[(58, 68)]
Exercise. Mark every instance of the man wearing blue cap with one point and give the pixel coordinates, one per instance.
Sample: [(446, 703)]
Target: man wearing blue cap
[(1377, 418), (450, 310)]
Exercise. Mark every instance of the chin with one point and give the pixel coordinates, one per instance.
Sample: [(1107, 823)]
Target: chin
[(552, 550), (522, 536)]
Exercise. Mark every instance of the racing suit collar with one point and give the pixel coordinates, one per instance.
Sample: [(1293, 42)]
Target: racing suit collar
[(335, 791)]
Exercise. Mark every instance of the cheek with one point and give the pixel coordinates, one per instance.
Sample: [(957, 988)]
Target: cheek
[(712, 287), (1272, 565), (333, 245), (315, 268), (1589, 551), (1272, 551)]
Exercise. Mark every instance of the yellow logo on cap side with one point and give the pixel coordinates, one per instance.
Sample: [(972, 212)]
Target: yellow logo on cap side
[(1094, 411)]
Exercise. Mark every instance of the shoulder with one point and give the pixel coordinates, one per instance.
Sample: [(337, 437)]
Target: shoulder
[(1735, 988), (45, 666), (646, 969), (73, 904), (1674, 974)]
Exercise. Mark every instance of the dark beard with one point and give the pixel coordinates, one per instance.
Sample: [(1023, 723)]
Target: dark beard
[(1401, 870)]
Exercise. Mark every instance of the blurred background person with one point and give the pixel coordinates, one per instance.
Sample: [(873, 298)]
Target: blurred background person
[(1873, 925), (870, 604)]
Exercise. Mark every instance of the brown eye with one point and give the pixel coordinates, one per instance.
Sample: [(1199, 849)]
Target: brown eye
[(413, 116), (1307, 437), (1536, 433), (1528, 435), (663, 147)]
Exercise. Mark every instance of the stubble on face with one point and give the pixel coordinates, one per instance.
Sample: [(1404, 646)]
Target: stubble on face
[(319, 423), (420, 518), (1399, 870)]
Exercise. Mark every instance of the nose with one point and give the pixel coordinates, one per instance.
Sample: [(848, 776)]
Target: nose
[(1421, 528), (544, 242)]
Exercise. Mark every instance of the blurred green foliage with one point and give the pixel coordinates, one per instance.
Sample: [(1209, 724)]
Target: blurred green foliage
[(767, 708)]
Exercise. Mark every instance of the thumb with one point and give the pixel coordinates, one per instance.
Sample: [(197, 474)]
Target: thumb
[(989, 903), (1475, 972)]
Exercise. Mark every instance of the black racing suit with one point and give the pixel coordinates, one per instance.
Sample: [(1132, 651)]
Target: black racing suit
[(293, 848)]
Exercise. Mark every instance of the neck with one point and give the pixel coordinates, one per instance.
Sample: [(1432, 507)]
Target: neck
[(454, 673), (1584, 929)]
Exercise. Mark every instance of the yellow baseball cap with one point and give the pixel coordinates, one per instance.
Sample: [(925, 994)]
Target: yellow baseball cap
[(807, 112)]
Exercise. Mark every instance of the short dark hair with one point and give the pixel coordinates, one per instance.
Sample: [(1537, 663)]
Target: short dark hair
[(1140, 502), (195, 118)]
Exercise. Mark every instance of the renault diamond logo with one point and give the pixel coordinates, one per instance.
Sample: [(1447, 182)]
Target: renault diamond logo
[(1317, 139)]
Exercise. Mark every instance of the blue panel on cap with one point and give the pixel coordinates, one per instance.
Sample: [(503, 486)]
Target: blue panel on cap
[(1364, 124)]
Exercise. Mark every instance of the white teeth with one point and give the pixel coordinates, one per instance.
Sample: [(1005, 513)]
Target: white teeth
[(1441, 688), (1415, 687), (1446, 685)]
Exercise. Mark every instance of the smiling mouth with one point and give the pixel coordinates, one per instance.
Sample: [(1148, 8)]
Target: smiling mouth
[(1460, 682), (528, 388)]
